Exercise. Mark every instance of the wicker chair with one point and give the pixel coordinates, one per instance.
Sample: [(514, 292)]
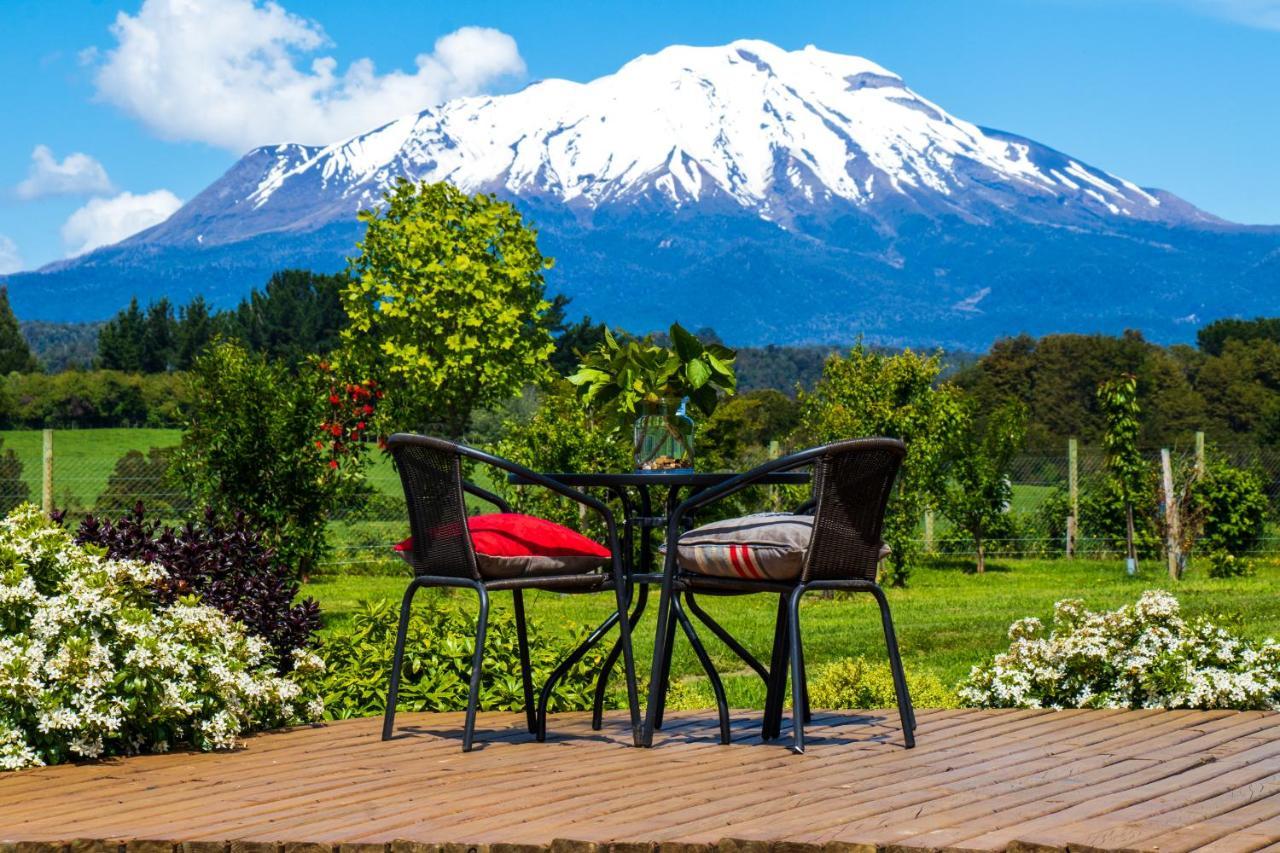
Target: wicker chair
[(852, 483), (431, 473)]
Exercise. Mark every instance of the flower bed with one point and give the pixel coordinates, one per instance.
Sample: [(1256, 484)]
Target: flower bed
[(1143, 655), (94, 663)]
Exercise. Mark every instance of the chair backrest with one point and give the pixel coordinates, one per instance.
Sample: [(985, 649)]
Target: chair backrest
[(852, 482), (431, 473)]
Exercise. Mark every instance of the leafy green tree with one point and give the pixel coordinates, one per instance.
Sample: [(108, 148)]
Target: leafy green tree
[(1118, 399), (296, 315), (1212, 338), (979, 488), (571, 339), (145, 478), (120, 340), (253, 445), (445, 304), (195, 329), (158, 336), (869, 394), (15, 353)]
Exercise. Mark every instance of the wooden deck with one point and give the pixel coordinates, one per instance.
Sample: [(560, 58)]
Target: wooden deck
[(979, 780)]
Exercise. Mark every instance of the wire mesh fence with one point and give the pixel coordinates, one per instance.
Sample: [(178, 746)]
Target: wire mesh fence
[(108, 472)]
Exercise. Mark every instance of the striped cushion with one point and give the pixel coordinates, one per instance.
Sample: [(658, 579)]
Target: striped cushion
[(768, 546)]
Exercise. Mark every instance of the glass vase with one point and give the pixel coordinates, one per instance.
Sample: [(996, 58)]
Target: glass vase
[(664, 437)]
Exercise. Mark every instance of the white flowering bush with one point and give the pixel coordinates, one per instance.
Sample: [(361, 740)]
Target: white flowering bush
[(1143, 655), (91, 664)]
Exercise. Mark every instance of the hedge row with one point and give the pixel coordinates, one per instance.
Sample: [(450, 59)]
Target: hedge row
[(96, 398)]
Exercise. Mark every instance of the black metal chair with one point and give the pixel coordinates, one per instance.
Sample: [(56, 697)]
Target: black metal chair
[(431, 473), (852, 484)]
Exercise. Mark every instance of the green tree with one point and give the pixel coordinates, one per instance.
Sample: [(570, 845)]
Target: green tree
[(158, 337), (1118, 399), (296, 315), (195, 329), (120, 340), (445, 304), (979, 488), (15, 353), (144, 478), (252, 445), (1230, 505), (1212, 338), (871, 394)]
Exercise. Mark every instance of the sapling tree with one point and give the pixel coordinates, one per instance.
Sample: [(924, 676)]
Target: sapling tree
[(869, 394), (446, 305), (978, 487), (1118, 399)]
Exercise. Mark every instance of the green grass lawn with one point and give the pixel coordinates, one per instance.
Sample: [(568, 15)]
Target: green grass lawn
[(948, 620), (82, 459)]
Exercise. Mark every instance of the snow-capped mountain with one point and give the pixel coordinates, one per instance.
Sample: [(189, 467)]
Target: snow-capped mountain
[(706, 182)]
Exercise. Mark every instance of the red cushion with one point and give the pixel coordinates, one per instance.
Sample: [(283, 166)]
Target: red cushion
[(505, 542)]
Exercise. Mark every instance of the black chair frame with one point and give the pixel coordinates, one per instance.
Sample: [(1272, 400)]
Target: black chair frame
[(787, 647), (468, 577)]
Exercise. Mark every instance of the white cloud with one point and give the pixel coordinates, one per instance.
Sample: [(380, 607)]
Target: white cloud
[(77, 174), (1263, 14), (228, 72), (10, 258), (109, 220)]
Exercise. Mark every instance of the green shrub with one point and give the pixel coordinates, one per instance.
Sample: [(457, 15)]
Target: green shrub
[(254, 445), (1142, 655), (137, 477), (89, 399), (1224, 564), (437, 661), (856, 683), (91, 664), (561, 435), (1231, 504), (14, 490)]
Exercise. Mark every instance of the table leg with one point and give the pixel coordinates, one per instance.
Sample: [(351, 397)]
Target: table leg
[(597, 706)]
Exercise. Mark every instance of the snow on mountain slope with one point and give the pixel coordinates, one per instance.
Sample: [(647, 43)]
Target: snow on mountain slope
[(707, 184), (772, 131)]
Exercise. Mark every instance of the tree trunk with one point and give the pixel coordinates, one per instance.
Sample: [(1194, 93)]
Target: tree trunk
[(982, 554)]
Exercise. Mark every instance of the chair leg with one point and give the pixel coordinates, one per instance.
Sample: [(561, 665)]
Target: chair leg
[(777, 683), (621, 593), (526, 674), (477, 665), (602, 683), (664, 677), (797, 672), (804, 687), (905, 712), (722, 704), (397, 663)]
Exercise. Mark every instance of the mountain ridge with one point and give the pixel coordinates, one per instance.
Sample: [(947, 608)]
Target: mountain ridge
[(900, 220)]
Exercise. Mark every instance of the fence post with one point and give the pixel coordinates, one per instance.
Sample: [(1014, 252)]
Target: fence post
[(928, 531), (1199, 453), (1172, 532), (46, 481), (1073, 495)]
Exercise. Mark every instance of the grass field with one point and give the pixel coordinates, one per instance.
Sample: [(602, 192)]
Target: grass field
[(948, 620)]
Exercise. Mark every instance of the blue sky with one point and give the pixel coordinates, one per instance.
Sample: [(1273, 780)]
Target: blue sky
[(1178, 94)]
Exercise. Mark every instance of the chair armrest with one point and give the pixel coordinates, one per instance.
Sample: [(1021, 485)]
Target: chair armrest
[(486, 496)]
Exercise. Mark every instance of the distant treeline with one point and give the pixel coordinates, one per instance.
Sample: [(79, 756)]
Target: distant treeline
[(1228, 385)]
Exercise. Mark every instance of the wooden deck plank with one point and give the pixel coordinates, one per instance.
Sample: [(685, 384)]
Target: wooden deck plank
[(978, 780)]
